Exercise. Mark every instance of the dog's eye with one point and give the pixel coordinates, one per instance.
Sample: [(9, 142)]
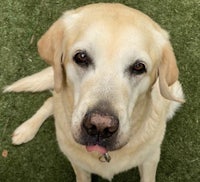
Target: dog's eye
[(82, 59), (137, 68)]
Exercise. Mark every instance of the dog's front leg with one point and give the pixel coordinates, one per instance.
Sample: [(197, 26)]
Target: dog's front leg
[(81, 175), (27, 130), (148, 168)]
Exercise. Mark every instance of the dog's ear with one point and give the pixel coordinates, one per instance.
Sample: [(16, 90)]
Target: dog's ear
[(50, 48), (168, 72)]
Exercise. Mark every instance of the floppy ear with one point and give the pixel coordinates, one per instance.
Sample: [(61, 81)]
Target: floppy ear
[(50, 48), (168, 73)]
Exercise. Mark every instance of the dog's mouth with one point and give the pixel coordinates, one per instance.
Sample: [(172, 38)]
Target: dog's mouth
[(96, 148)]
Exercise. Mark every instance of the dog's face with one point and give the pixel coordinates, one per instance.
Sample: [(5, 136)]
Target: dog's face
[(110, 67), (112, 56)]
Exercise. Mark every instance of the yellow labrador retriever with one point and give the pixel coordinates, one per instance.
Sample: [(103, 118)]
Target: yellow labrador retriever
[(115, 82)]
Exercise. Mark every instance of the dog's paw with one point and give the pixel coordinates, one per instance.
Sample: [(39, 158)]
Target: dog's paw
[(24, 133)]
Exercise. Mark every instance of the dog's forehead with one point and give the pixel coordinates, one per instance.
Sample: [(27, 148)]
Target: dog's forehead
[(110, 11), (113, 17), (113, 28)]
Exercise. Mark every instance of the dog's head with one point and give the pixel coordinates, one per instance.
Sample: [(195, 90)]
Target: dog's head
[(111, 55)]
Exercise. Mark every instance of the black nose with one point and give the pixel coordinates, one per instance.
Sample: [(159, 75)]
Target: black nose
[(99, 124)]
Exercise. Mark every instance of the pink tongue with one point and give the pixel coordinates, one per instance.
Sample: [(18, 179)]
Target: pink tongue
[(96, 148)]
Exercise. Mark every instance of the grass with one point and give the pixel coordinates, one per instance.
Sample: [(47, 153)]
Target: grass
[(23, 22)]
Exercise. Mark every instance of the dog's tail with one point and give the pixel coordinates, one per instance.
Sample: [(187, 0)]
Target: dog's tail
[(37, 82)]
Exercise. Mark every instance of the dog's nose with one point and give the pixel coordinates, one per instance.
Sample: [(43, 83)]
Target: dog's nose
[(100, 125)]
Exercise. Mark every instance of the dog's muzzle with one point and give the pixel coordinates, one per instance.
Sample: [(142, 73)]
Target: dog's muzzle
[(100, 127)]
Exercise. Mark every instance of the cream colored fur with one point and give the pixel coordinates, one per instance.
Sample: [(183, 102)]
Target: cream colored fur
[(115, 36)]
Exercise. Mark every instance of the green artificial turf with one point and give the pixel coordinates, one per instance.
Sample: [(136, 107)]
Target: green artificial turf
[(22, 22)]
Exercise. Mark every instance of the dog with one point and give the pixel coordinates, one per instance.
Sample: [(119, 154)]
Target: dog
[(114, 80)]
